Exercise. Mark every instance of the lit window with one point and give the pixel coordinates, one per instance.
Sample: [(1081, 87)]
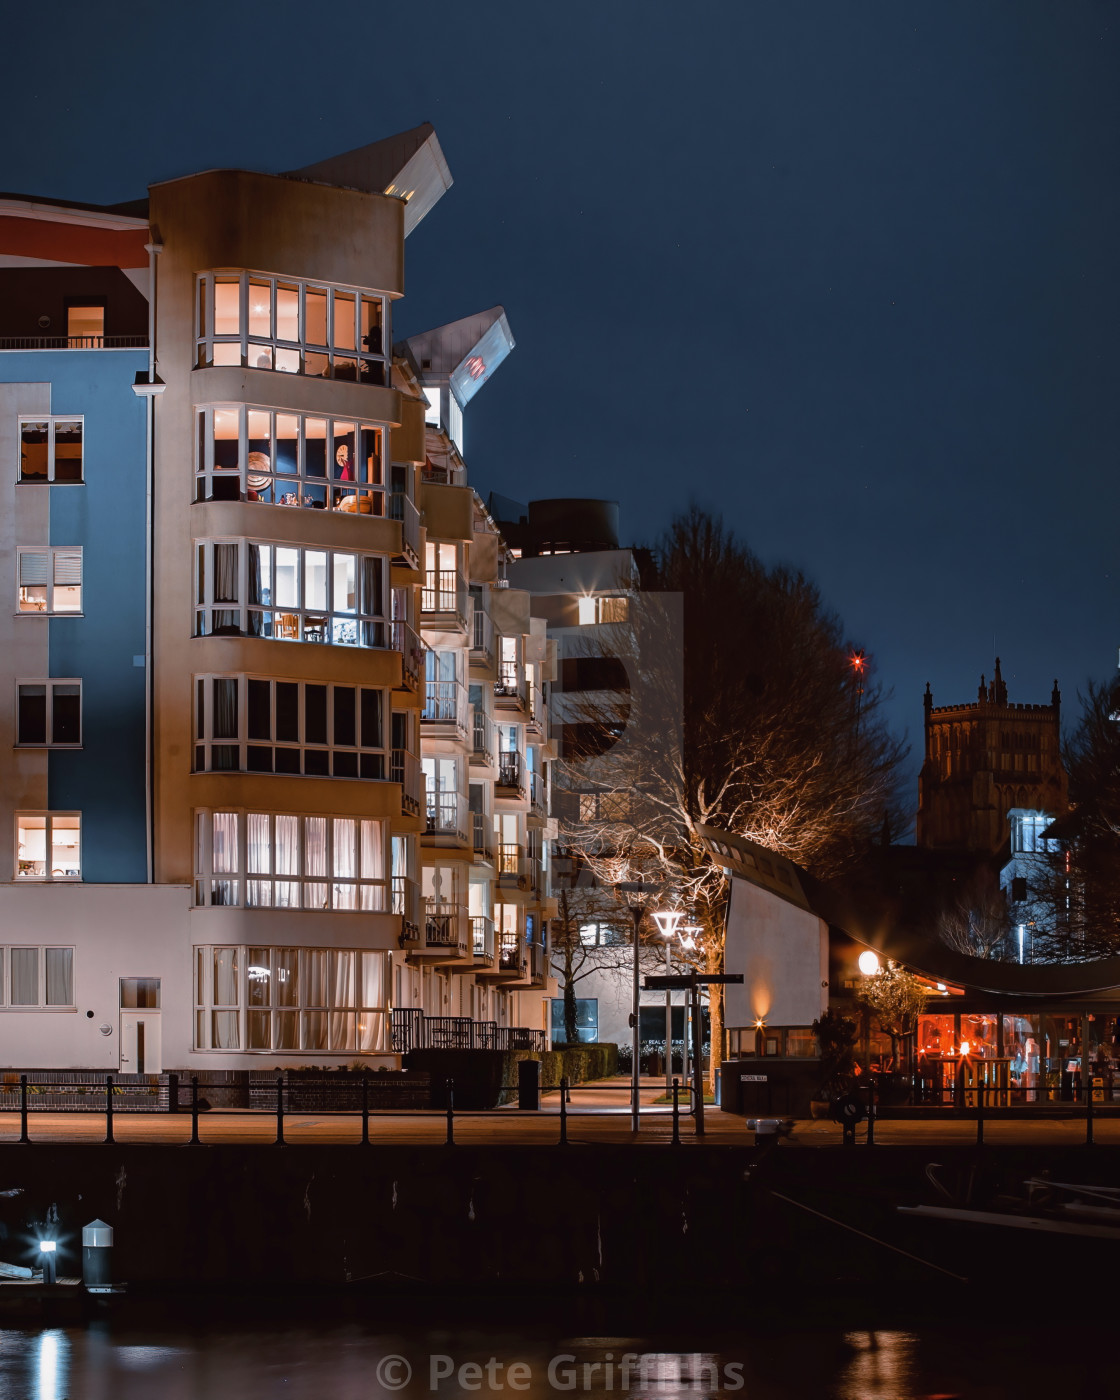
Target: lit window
[(275, 324), (330, 1001), (613, 609), (48, 846), (289, 459), (50, 580), (247, 724), (51, 450), (281, 861), (49, 712), (85, 327), (431, 411), (587, 612)]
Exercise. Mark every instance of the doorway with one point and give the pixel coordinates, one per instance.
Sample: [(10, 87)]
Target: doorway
[(141, 1033)]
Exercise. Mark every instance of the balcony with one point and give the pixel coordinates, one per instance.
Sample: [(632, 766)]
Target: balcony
[(445, 929), (407, 641), (402, 508), (538, 963), (511, 955), (511, 689), (445, 705), (482, 639), (537, 721), (73, 342), (412, 1030), (538, 806), (482, 839), (511, 774), (483, 747), (482, 939), (406, 903), (448, 819), (445, 599), (404, 768)]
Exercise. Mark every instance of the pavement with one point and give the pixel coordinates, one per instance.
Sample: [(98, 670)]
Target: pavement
[(598, 1113)]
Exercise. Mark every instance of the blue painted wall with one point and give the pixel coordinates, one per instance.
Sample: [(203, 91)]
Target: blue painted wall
[(104, 780)]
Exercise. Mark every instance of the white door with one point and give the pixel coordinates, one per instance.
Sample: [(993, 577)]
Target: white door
[(141, 1047)]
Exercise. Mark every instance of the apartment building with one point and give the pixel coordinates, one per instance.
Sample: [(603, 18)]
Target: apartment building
[(229, 506)]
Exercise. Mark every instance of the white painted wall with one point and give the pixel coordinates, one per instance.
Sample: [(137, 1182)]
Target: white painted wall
[(782, 952)]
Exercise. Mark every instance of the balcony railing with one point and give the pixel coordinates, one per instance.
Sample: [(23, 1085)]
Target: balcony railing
[(536, 961), (445, 925), (73, 342), (510, 687), (511, 768), (412, 1030), (445, 702), (482, 936), (537, 793), (401, 508), (406, 903), (537, 714), (445, 593), (482, 639), (511, 956), (483, 747), (509, 860), (482, 840), (404, 768), (407, 641), (447, 815)]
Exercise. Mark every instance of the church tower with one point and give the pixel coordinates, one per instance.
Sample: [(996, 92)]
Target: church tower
[(983, 759)]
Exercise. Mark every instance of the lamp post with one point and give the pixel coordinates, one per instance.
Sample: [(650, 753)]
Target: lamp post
[(667, 922), (634, 891)]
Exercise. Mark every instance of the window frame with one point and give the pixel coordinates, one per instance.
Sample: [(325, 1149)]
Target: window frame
[(252, 345), (206, 879), (307, 486), (52, 553), (47, 877), (41, 1003), (49, 683), (205, 740), (205, 607), (51, 419)]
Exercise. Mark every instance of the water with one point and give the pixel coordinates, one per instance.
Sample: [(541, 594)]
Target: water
[(355, 1361)]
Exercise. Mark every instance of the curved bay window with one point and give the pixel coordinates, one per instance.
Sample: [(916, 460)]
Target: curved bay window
[(327, 1000), (290, 459), (289, 593), (275, 860), (293, 327), (251, 725)]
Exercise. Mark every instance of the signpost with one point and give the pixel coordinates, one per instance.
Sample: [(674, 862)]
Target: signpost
[(691, 982)]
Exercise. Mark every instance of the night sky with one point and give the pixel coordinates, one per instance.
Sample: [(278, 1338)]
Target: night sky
[(843, 271)]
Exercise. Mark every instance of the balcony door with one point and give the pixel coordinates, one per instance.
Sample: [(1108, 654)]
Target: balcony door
[(141, 1043)]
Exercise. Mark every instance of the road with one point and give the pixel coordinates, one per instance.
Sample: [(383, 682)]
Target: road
[(597, 1114)]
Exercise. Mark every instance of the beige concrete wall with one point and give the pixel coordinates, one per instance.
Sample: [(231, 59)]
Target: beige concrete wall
[(448, 511)]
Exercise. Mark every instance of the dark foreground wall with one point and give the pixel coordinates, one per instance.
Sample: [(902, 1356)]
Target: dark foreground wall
[(580, 1219)]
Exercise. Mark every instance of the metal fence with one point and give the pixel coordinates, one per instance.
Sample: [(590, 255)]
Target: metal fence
[(413, 1030)]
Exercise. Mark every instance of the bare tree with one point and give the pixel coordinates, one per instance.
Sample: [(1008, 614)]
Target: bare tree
[(745, 713), (975, 920)]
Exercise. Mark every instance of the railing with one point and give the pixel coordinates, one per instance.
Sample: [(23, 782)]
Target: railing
[(441, 468), (407, 1029), (536, 792), (444, 925), (73, 342), (511, 956), (536, 961), (510, 687), (444, 591), (482, 749), (407, 641), (404, 768), (510, 857), (445, 702), (406, 902), (536, 707), (401, 508), (482, 937), (482, 637), (418, 1031), (510, 769), (447, 815), (482, 840)]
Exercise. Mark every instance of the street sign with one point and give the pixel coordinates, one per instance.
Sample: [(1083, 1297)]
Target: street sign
[(752, 1079), (694, 979)]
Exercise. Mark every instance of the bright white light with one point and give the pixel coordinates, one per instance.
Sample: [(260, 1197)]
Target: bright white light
[(586, 612), (868, 963), (1022, 942), (48, 1246), (941, 987), (668, 920)]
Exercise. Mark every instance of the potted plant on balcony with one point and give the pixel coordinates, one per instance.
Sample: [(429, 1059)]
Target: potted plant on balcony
[(836, 1036)]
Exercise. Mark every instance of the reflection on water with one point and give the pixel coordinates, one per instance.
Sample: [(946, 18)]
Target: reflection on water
[(345, 1362)]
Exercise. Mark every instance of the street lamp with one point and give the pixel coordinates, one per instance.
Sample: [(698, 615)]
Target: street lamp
[(635, 892), (668, 922)]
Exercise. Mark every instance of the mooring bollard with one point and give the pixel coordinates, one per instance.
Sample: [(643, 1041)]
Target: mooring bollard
[(172, 1092), (108, 1108), (24, 1135), (97, 1257), (870, 1110), (563, 1113), (365, 1109), (196, 1141), (280, 1110), (676, 1113), (451, 1113)]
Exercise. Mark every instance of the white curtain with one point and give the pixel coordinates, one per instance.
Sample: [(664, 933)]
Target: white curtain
[(260, 843), (225, 976), (25, 977), (224, 845), (345, 863), (344, 980), (286, 862), (60, 976), (225, 573), (315, 846)]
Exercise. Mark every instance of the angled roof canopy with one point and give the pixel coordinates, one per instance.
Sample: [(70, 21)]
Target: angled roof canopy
[(463, 353), (410, 165)]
